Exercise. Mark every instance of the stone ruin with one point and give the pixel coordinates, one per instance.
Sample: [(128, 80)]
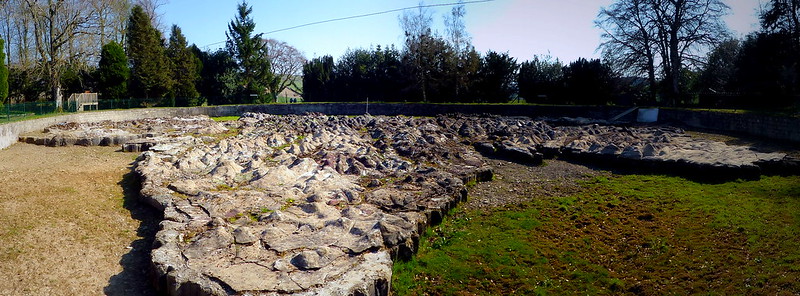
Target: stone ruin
[(321, 205)]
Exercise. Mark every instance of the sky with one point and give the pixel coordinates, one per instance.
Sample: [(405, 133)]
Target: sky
[(563, 29)]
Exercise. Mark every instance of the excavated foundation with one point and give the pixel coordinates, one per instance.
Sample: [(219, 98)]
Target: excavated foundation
[(321, 205)]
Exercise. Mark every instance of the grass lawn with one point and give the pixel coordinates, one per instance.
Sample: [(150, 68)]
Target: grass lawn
[(621, 234), (225, 118)]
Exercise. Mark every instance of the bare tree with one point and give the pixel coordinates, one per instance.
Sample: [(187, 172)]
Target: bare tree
[(112, 16), (630, 39), (685, 28), (5, 27), (287, 65), (417, 29), (463, 57), (151, 7), (456, 30), (16, 31), (415, 24), (644, 35), (783, 16), (46, 37), (56, 25)]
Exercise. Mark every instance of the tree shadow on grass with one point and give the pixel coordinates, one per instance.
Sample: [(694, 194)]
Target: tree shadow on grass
[(135, 276)]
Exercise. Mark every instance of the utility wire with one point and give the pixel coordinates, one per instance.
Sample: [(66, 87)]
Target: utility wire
[(377, 13), (366, 15)]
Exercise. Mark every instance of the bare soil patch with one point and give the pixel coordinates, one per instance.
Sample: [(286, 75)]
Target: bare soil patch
[(70, 223), (516, 183)]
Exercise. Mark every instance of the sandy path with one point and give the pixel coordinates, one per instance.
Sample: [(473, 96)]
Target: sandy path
[(70, 224)]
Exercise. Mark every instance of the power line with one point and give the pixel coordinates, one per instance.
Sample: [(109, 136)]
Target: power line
[(377, 13), (366, 15)]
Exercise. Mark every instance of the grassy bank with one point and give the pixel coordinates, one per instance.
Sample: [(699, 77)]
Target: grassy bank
[(632, 234)]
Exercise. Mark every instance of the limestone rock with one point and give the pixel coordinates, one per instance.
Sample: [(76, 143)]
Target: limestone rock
[(243, 235), (318, 205)]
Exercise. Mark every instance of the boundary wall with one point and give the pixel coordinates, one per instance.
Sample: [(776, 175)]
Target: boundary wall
[(760, 125)]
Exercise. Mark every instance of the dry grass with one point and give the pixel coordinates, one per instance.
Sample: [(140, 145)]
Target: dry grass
[(65, 223)]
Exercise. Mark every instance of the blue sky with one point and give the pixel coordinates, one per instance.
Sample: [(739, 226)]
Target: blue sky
[(523, 28)]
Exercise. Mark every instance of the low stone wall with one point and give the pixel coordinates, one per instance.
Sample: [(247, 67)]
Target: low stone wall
[(779, 128), (759, 125), (9, 133)]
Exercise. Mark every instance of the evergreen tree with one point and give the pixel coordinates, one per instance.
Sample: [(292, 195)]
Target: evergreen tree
[(113, 71), (184, 73), (317, 77), (718, 73), (217, 76), (389, 78), (589, 82), (428, 60), (469, 64), (541, 80), (249, 52), (777, 46), (767, 70), (150, 77), (3, 73), (498, 75)]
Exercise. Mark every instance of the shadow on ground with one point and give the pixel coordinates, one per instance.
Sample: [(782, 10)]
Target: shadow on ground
[(134, 278)]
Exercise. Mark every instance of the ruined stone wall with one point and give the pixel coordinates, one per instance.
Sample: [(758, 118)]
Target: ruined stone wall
[(760, 125), (779, 128), (9, 133)]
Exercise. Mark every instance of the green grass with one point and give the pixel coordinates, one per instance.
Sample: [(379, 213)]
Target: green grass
[(285, 100), (633, 234), (225, 118), (792, 111), (15, 118), (287, 204)]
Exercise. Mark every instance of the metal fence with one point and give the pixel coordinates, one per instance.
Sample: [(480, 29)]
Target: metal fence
[(27, 110)]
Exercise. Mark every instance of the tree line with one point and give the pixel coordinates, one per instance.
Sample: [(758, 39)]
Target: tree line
[(654, 52), (116, 47), (763, 68), (53, 43), (433, 67), (687, 55)]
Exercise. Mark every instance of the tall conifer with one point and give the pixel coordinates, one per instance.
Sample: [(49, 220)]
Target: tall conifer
[(113, 71), (184, 73), (249, 52), (150, 75)]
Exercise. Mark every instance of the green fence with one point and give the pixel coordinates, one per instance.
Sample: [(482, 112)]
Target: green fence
[(27, 110), (14, 112), (22, 111)]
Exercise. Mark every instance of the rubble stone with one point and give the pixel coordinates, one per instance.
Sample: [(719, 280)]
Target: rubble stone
[(319, 205)]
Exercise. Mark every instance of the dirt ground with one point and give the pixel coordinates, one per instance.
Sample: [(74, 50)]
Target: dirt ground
[(514, 183), (70, 223)]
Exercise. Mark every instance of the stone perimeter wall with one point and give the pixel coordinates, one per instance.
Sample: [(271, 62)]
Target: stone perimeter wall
[(777, 128)]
